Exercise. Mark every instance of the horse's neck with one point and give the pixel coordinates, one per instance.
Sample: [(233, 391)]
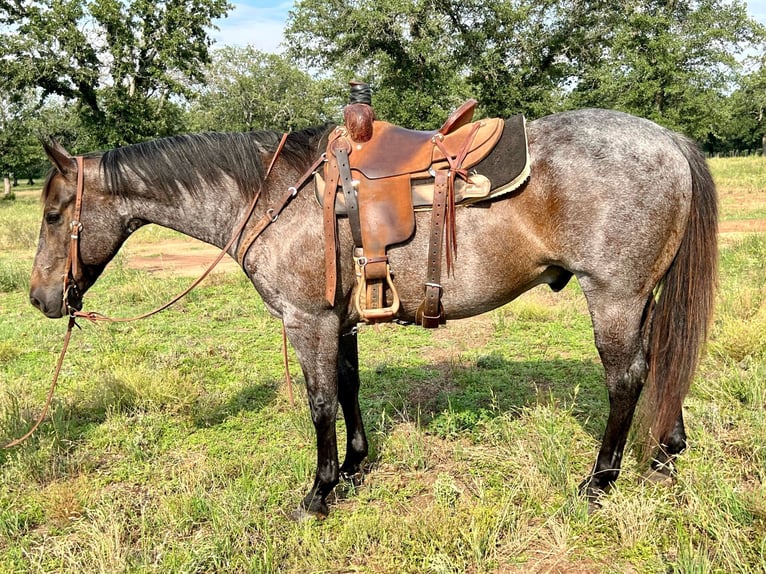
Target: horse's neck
[(210, 217)]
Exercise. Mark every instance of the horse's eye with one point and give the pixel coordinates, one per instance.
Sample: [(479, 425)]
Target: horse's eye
[(52, 218)]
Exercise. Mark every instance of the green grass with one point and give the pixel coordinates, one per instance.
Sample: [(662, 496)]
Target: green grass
[(171, 445), (744, 182)]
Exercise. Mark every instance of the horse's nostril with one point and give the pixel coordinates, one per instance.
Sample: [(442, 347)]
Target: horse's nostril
[(35, 302)]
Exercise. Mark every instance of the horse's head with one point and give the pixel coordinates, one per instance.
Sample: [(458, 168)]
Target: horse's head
[(64, 267)]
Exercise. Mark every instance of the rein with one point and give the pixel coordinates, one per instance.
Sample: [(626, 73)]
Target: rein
[(72, 269), (95, 317)]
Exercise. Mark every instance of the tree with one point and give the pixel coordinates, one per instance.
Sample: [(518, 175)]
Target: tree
[(404, 49), (20, 153), (22, 122), (425, 57), (673, 61), (246, 89), (746, 128), (123, 65)]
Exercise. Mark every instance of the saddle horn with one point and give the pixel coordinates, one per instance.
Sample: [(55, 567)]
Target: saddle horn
[(358, 115)]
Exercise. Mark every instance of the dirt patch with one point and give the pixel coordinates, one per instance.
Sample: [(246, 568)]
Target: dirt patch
[(180, 257), (743, 226)]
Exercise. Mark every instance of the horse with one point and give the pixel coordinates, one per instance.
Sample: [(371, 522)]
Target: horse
[(626, 206)]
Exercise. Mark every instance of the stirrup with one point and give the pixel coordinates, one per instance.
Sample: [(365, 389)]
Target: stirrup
[(382, 313)]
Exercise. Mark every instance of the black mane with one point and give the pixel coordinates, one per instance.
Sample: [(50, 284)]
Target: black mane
[(192, 163)]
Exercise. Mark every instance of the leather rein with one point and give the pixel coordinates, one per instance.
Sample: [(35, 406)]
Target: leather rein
[(72, 266)]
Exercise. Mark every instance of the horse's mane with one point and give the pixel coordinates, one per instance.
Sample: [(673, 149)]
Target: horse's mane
[(192, 163)]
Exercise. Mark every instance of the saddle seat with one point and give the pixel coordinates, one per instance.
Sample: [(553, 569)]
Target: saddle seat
[(395, 151)]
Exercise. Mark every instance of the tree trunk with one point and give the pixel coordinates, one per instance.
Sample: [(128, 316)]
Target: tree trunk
[(763, 144), (7, 185)]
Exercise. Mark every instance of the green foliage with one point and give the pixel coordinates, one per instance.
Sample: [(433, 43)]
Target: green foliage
[(246, 89), (120, 65), (406, 50), (671, 62), (746, 128)]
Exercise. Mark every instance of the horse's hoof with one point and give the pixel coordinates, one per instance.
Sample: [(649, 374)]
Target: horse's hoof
[(300, 514), (355, 479)]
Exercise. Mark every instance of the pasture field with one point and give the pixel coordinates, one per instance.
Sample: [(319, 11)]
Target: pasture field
[(172, 446)]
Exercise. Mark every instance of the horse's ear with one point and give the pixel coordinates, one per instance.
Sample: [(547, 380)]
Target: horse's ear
[(61, 159)]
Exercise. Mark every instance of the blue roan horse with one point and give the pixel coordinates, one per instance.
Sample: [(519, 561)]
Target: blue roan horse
[(626, 206)]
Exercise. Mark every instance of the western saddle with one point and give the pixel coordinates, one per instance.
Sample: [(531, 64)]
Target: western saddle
[(374, 168)]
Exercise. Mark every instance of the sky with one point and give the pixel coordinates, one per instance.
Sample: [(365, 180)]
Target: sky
[(260, 23)]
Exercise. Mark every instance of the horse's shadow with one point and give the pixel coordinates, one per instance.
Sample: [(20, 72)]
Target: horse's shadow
[(72, 419), (449, 396)]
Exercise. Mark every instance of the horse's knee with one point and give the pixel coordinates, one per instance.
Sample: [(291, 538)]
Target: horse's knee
[(323, 407)]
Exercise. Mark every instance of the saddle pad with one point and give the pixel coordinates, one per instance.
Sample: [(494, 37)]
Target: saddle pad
[(422, 192)]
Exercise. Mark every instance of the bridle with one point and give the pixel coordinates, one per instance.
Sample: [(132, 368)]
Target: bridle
[(72, 265)]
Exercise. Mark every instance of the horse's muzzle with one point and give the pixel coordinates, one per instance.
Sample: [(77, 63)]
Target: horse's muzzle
[(51, 303)]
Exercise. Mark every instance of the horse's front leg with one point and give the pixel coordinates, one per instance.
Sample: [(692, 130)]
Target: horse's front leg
[(348, 390), (315, 340)]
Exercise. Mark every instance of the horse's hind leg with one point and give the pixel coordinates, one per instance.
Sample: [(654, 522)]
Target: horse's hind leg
[(663, 466), (617, 325), (348, 393)]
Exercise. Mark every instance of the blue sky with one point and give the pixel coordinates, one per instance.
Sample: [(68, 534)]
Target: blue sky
[(260, 23)]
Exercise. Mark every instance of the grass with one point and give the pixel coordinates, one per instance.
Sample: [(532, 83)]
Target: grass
[(171, 446), (744, 180)]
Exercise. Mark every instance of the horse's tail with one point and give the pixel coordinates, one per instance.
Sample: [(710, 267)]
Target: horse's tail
[(681, 317)]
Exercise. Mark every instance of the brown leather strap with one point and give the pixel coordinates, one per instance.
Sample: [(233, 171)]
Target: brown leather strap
[(456, 168), (288, 378), (272, 214), (352, 206), (430, 312), (330, 230), (72, 265), (75, 226), (52, 388)]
